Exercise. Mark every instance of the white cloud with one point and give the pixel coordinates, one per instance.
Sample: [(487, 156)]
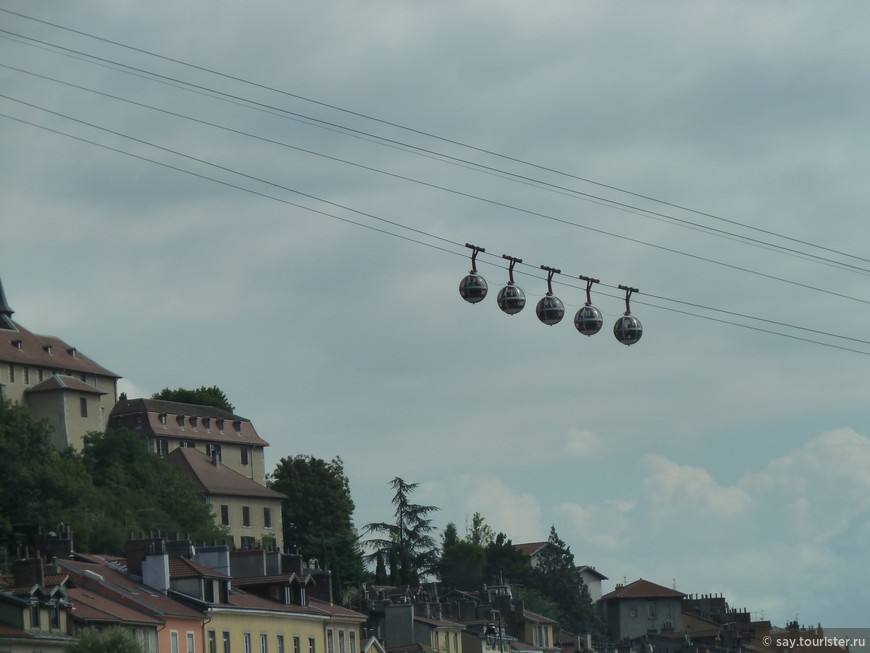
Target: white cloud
[(505, 510)]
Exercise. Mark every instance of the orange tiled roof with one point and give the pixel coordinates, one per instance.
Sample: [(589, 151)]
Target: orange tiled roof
[(642, 589), (24, 347), (211, 479)]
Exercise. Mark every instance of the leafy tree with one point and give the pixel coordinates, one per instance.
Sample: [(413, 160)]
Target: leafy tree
[(462, 561), (202, 396), (26, 455), (408, 542), (558, 579), (504, 563), (318, 514), (111, 640), (141, 491), (480, 532)]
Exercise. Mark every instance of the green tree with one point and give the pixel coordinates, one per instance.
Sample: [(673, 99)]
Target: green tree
[(462, 561), (559, 580), (141, 491), (111, 640), (504, 563), (202, 396), (318, 515), (26, 455), (408, 542), (480, 533)]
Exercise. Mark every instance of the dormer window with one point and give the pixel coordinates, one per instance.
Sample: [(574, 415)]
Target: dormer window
[(180, 420), (237, 425), (47, 349), (193, 422), (220, 425), (162, 418), (16, 343), (72, 352), (206, 423)]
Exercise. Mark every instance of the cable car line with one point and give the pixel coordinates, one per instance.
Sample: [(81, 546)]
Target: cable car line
[(414, 240), (448, 140), (490, 201), (441, 156)]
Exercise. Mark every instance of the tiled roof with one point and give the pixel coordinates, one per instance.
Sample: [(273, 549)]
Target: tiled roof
[(336, 611), (438, 623), (23, 347), (64, 382), (537, 618), (216, 480), (530, 548), (125, 588), (642, 589), (245, 600), (90, 606), (592, 571), (126, 412), (185, 568)]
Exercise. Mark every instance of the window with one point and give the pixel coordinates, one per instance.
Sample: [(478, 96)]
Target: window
[(226, 638), (632, 612), (246, 516), (173, 638), (83, 406), (162, 446), (27, 375), (225, 515), (34, 616), (54, 615), (447, 641), (237, 425), (11, 373), (191, 643), (213, 451), (353, 648), (244, 452), (248, 643), (330, 646), (280, 642), (83, 378), (297, 644), (220, 425), (341, 648), (312, 645), (162, 418), (455, 642), (208, 590), (212, 642), (264, 643), (206, 423), (40, 374), (193, 422), (267, 517), (651, 609), (248, 542)]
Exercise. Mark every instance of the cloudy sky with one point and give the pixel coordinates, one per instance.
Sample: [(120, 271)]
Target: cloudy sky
[(274, 197)]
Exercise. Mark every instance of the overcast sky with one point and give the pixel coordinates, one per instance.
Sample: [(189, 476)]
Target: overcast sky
[(274, 197)]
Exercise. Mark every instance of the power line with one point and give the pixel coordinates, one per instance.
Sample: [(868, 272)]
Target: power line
[(467, 195), (458, 143), (419, 232), (489, 169)]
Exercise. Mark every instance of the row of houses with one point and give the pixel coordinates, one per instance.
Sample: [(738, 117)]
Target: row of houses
[(246, 596)]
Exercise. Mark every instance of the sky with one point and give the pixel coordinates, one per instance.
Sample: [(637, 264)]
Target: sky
[(275, 198)]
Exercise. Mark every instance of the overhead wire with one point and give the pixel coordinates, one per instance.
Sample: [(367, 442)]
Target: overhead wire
[(393, 223), (489, 169), (417, 231), (446, 140)]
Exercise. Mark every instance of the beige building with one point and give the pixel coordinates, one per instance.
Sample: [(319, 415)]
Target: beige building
[(54, 380), (224, 456)]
